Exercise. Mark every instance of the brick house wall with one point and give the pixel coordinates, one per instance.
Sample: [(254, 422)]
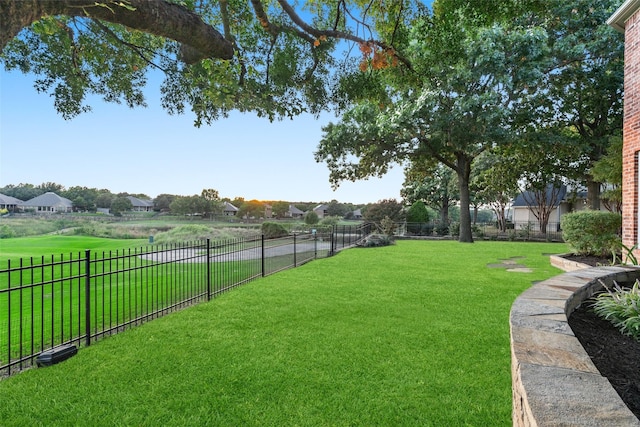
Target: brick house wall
[(627, 19)]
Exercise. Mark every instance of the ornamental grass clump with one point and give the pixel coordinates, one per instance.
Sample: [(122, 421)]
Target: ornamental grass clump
[(621, 307)]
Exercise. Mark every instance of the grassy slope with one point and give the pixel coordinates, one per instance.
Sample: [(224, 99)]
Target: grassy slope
[(413, 334)]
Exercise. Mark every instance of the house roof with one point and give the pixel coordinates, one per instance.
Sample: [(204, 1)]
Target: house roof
[(321, 208), (49, 199), (558, 192), (8, 200), (294, 210), (619, 18), (140, 203), (357, 212), (228, 207)]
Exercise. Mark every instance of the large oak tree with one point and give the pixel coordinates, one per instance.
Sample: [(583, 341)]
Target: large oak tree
[(470, 83)]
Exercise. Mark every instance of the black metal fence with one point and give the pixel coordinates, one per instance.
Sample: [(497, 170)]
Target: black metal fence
[(79, 298), (523, 231)]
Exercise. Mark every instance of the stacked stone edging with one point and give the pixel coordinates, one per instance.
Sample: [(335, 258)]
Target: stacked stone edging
[(554, 381)]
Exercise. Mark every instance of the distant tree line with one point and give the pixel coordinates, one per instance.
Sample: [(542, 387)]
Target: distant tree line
[(207, 203)]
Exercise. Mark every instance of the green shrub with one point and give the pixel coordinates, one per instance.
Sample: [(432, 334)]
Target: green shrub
[(592, 232), (454, 229), (621, 307), (271, 230), (442, 229), (6, 232), (330, 221), (311, 218), (417, 216)]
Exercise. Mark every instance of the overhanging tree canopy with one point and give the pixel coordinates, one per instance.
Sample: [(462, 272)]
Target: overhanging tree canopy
[(266, 57)]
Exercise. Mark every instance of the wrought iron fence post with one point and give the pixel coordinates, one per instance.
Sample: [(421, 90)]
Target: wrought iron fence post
[(87, 296), (332, 240), (262, 257), (294, 251), (208, 269)]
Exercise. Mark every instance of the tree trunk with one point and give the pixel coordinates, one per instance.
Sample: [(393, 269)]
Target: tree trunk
[(501, 219), (593, 194), (444, 212), (463, 170), (161, 18)]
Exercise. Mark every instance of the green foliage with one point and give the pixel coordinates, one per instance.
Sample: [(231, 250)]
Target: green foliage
[(585, 86), (280, 209), (621, 307), (191, 205), (418, 212), (444, 116), (119, 205), (390, 208), (275, 60), (311, 218), (442, 229), (330, 220), (417, 217), (626, 255), (608, 169), (592, 232), (334, 208), (6, 232), (22, 227), (162, 202), (251, 209), (272, 230), (25, 192)]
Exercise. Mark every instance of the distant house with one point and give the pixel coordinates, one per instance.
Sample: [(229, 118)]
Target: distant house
[(562, 199), (268, 211), (140, 205), (9, 203), (357, 214), (321, 211), (49, 203), (229, 209), (294, 212)]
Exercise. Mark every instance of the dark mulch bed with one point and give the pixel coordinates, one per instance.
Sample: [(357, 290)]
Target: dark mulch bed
[(616, 356)]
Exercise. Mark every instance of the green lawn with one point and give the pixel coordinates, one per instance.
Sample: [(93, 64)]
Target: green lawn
[(411, 334), (38, 246)]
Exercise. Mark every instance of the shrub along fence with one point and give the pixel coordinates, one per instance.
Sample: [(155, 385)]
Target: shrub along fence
[(76, 299)]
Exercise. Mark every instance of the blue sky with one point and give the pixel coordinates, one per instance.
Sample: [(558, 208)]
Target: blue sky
[(145, 150)]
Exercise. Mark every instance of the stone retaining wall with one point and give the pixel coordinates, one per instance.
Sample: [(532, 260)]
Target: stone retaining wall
[(554, 381)]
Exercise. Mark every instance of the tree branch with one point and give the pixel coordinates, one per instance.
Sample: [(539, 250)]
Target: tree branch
[(135, 48), (161, 18)]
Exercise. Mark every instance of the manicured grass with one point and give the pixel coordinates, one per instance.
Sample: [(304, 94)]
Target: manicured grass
[(412, 334), (38, 246)]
